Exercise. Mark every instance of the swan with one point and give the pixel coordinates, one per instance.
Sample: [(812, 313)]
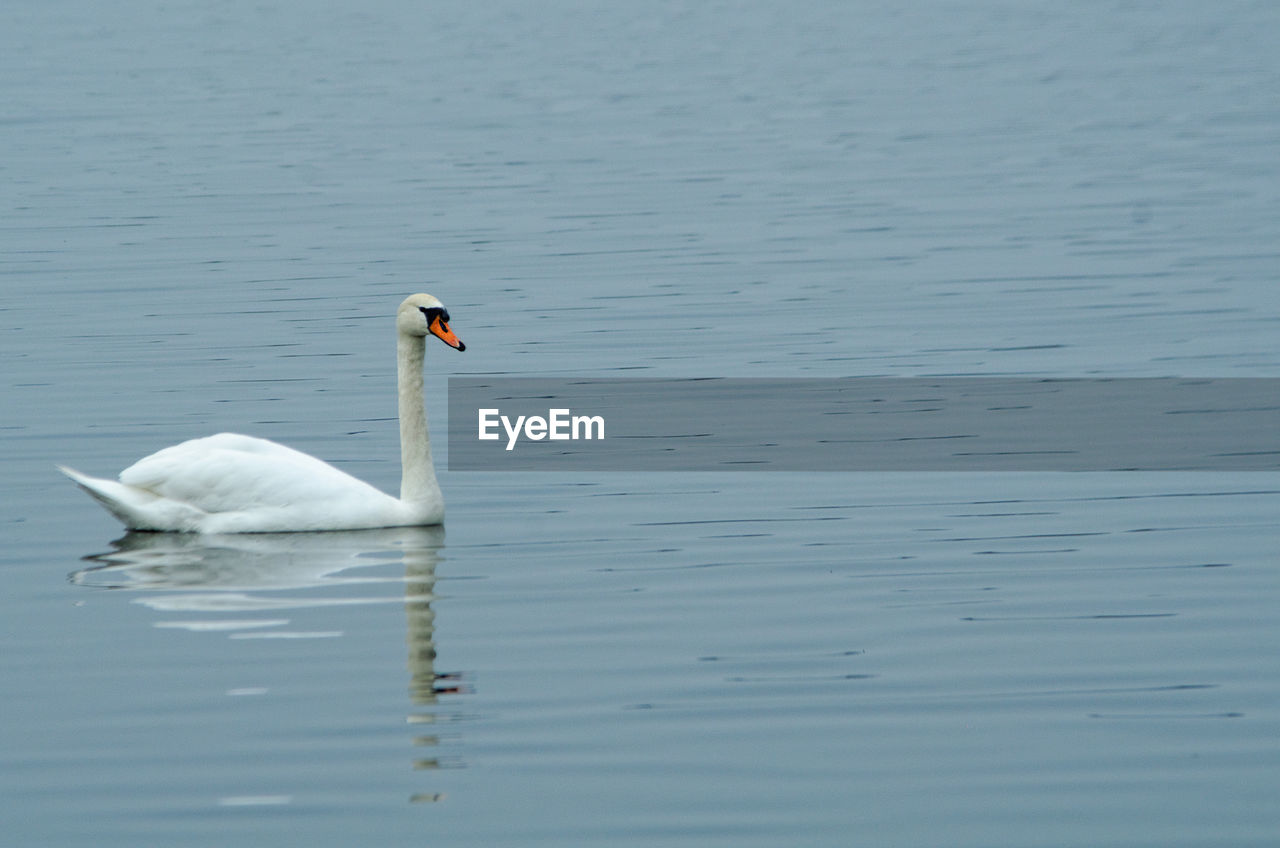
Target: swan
[(231, 483)]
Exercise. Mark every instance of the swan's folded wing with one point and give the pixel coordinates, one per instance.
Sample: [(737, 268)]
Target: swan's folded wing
[(233, 473)]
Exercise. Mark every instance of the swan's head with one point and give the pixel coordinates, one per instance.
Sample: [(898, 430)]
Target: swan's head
[(423, 315)]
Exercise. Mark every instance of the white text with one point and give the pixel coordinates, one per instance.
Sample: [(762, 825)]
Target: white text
[(559, 425)]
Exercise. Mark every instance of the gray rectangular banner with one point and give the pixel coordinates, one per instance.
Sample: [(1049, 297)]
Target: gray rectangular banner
[(864, 424)]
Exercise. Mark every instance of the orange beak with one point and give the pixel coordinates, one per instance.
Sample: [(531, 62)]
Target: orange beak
[(441, 331)]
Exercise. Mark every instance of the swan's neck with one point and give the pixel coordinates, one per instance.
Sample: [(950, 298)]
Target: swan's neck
[(418, 482)]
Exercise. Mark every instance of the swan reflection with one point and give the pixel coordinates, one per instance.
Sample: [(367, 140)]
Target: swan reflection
[(248, 575)]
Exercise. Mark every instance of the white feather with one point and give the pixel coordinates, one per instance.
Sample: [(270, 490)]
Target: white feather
[(231, 483)]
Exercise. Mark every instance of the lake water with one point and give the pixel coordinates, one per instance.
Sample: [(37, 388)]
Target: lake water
[(211, 211)]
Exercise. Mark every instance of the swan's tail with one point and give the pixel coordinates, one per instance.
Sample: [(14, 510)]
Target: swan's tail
[(126, 503)]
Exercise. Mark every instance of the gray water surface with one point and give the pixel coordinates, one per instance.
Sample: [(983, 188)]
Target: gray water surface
[(212, 210)]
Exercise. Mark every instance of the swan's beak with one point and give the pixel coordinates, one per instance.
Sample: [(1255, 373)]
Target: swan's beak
[(441, 331)]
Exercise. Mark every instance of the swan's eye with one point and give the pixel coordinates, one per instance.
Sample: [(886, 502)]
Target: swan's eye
[(433, 312)]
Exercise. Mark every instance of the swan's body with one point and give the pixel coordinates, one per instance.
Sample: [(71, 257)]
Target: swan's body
[(230, 483)]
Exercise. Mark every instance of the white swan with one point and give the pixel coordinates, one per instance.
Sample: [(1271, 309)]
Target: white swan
[(230, 483)]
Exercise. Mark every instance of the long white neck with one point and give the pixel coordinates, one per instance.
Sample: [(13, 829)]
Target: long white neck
[(418, 480)]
